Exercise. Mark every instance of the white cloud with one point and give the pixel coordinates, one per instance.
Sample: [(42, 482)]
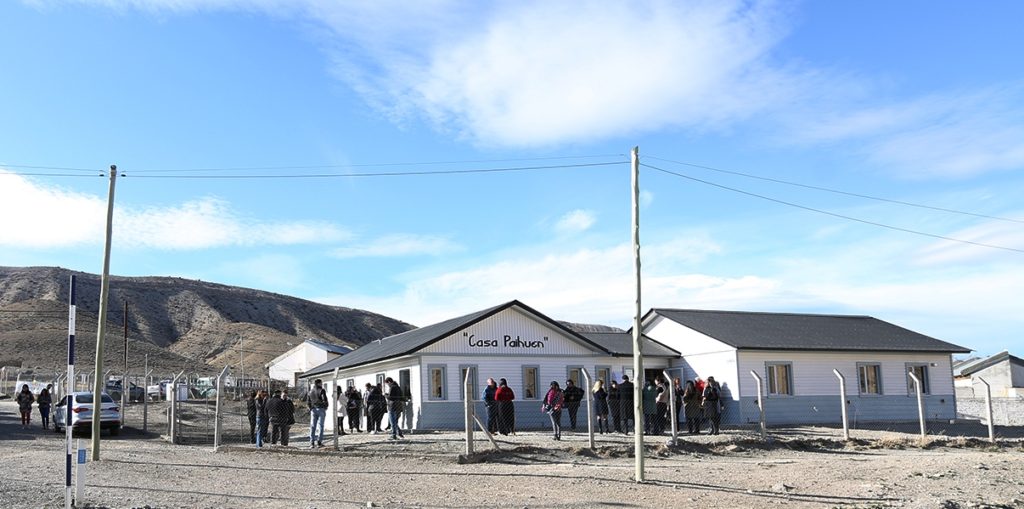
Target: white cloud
[(575, 221), (398, 245), (54, 217)]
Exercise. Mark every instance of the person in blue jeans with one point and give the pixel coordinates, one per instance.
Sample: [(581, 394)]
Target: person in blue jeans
[(396, 400), (262, 418), (317, 401)]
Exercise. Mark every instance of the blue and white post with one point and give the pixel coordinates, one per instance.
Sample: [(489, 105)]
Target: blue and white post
[(70, 395)]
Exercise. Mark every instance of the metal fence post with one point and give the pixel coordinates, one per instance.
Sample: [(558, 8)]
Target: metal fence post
[(145, 399), (920, 401), (673, 412), (590, 409), (842, 403), (469, 411), (173, 424), (988, 410), (217, 414), (335, 409), (760, 403)]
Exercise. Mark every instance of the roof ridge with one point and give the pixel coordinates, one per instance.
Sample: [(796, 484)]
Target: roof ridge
[(776, 313)]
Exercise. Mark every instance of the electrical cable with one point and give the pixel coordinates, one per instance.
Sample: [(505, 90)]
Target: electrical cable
[(833, 214), (837, 191), (381, 174)]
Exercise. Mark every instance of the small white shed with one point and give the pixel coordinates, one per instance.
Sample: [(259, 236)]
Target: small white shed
[(304, 356)]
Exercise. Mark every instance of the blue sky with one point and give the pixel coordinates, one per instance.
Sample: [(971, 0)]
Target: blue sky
[(910, 101)]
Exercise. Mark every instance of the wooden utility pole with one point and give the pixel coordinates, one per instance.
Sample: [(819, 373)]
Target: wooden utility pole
[(638, 357), (97, 386)]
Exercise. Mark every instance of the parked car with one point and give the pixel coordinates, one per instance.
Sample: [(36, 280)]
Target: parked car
[(135, 393), (158, 391), (81, 413)]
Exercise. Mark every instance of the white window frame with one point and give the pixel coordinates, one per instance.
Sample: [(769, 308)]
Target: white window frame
[(430, 382), (925, 382), (536, 382), (770, 370), (861, 384)]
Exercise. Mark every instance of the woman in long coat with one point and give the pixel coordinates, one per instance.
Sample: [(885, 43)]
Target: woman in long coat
[(25, 400), (601, 406), (504, 396), (691, 407)]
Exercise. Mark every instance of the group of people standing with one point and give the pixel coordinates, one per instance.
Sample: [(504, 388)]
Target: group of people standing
[(43, 401), (499, 399), (371, 405), (275, 414), (698, 402)]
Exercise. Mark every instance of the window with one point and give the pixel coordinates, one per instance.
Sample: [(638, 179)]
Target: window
[(437, 388), (405, 383), (574, 373), (628, 372), (869, 377), (921, 372), (603, 373), (380, 379), (472, 380), (531, 380), (780, 378), (350, 383)]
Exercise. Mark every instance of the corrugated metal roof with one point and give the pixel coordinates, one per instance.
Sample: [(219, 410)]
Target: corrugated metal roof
[(790, 331), (411, 341), (621, 344)]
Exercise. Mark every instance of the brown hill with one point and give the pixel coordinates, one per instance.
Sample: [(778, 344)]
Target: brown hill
[(180, 323)]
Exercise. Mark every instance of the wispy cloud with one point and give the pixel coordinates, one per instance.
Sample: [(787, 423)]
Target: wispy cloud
[(55, 217), (397, 245), (575, 221)]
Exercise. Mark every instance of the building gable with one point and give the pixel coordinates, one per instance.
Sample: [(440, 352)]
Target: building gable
[(510, 331)]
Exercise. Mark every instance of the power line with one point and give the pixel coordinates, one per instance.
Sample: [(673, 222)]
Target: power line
[(368, 165), (833, 214), (837, 191), (19, 174), (383, 174), (57, 168)]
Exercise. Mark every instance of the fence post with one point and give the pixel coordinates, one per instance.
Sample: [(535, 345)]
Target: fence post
[(760, 403), (920, 401), (217, 414), (173, 424), (469, 411), (334, 408), (673, 412), (590, 408), (145, 398), (988, 410), (842, 403)]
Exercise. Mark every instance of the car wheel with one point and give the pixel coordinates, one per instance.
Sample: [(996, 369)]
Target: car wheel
[(116, 430)]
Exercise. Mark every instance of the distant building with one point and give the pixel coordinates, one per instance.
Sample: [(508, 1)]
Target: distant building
[(794, 354), (1004, 372), (306, 355)]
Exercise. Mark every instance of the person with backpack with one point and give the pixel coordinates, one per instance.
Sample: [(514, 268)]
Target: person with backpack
[(44, 401), (25, 400), (317, 401), (710, 403), (573, 396), (354, 405), (396, 403)]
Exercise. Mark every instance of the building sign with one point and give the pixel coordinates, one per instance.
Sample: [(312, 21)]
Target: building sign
[(506, 341)]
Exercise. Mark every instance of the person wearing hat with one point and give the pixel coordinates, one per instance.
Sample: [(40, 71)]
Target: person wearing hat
[(553, 402)]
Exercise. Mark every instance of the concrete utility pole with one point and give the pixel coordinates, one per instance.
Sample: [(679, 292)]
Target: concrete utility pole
[(124, 377), (97, 386), (638, 357)]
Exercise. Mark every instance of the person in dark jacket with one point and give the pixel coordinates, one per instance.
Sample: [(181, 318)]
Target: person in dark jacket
[(506, 408), (317, 400), (44, 401), (492, 405), (25, 400), (710, 403), (650, 395), (601, 406), (626, 403), (691, 407), (250, 410), (277, 412), (354, 406), (396, 403), (573, 395), (262, 418), (378, 407), (615, 406)]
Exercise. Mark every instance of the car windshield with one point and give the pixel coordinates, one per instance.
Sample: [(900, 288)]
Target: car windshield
[(87, 398)]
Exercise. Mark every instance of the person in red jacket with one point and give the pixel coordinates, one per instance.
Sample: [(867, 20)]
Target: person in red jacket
[(506, 408)]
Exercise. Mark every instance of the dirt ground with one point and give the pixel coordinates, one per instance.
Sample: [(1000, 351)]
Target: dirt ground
[(735, 469)]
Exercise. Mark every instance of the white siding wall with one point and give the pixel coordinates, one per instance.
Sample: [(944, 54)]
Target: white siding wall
[(368, 374), (299, 360), (721, 365), (812, 371), (516, 324), (683, 339)]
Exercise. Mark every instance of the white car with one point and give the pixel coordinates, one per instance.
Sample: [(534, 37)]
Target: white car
[(81, 413)]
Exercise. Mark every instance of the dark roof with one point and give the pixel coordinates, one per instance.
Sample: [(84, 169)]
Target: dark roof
[(789, 331), (976, 365), (329, 347), (621, 344), (416, 339)]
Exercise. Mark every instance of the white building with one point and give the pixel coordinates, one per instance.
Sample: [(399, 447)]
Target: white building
[(795, 354), (303, 357), (1004, 372), (511, 341)]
